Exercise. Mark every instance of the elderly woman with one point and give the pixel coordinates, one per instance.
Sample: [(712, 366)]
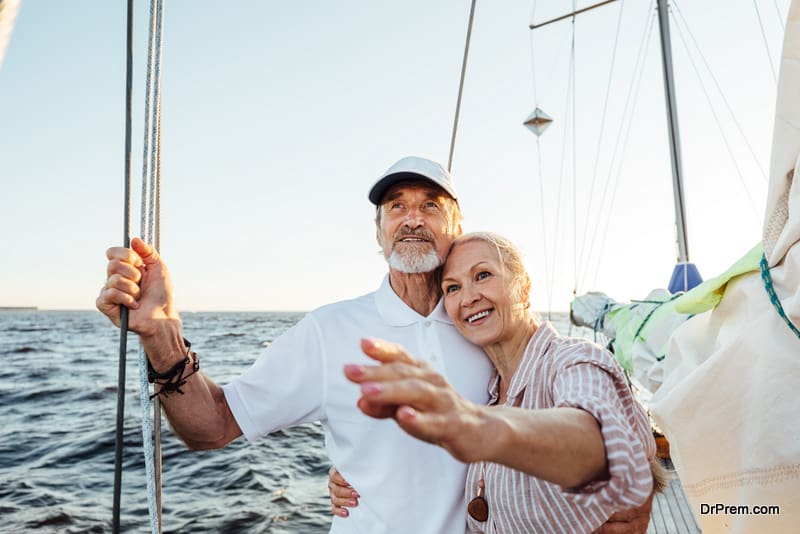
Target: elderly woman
[(562, 444)]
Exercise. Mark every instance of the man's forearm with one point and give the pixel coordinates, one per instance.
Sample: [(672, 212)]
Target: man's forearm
[(201, 417), (194, 405)]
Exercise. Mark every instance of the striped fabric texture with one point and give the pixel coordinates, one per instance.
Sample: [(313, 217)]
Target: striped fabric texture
[(564, 372)]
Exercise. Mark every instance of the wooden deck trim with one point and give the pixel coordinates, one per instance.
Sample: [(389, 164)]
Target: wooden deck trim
[(672, 513)]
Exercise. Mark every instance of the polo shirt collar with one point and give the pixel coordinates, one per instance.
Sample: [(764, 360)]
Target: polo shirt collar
[(395, 312)]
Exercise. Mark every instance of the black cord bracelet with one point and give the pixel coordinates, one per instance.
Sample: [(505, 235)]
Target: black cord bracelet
[(172, 379)]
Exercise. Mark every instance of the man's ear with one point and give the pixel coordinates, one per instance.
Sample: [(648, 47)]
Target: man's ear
[(459, 230)]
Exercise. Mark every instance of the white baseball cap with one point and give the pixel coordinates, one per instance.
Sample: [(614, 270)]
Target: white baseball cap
[(412, 168)]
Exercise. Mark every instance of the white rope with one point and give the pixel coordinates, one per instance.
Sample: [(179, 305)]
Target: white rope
[(606, 205), (546, 259), (766, 42), (726, 142), (680, 19), (781, 18), (561, 179), (622, 143), (574, 159), (590, 208), (150, 233)]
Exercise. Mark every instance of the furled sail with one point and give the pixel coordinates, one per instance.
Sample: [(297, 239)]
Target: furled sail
[(728, 404), (638, 332)]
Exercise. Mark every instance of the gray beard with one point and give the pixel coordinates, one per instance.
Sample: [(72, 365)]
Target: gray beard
[(412, 262)]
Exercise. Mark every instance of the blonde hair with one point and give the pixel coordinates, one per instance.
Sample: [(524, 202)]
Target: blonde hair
[(511, 259), (661, 476)]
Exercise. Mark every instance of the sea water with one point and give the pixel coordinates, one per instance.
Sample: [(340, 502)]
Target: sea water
[(58, 397)]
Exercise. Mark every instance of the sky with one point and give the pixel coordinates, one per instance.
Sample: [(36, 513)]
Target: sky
[(279, 115)]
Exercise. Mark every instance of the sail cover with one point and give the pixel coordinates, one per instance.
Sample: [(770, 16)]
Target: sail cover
[(728, 403), (8, 12)]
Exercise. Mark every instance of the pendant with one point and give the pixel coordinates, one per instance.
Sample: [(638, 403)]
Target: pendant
[(477, 507)]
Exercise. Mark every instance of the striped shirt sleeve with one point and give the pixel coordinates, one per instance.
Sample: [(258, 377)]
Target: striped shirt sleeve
[(594, 382)]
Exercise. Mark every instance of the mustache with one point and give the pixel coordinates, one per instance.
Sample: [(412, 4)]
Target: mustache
[(416, 232)]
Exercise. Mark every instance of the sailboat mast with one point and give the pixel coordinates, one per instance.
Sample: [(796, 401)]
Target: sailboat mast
[(685, 274), (674, 138)]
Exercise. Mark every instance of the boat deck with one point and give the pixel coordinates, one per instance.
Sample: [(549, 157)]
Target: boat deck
[(672, 513)]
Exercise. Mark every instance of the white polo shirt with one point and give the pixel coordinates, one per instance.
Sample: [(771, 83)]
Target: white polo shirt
[(406, 485)]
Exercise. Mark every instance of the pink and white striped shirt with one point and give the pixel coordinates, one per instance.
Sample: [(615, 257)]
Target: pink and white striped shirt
[(558, 371)]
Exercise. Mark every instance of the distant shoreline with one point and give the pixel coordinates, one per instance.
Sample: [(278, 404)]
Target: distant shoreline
[(18, 308)]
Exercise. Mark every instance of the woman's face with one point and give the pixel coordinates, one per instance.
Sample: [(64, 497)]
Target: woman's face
[(478, 293)]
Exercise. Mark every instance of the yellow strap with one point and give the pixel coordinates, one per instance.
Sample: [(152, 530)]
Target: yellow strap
[(708, 294)]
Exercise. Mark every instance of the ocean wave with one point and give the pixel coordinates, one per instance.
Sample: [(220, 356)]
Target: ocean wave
[(26, 350)]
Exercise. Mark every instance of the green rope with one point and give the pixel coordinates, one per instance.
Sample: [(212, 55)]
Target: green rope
[(658, 304), (773, 297)]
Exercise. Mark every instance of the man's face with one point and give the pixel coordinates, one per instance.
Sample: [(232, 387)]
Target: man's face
[(416, 227)]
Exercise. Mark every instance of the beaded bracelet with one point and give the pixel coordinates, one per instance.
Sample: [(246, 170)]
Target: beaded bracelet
[(172, 379)]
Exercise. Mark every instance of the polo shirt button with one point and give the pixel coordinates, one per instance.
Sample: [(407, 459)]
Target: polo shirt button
[(428, 323)]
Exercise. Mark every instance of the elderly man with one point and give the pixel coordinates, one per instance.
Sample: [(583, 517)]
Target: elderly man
[(405, 485), (298, 378)]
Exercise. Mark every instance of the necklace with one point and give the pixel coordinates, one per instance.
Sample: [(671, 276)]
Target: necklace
[(477, 508)]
